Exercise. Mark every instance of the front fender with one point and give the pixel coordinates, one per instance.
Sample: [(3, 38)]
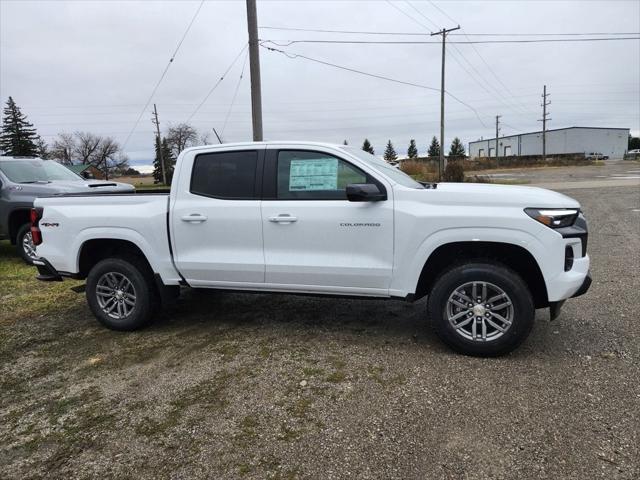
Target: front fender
[(413, 264)]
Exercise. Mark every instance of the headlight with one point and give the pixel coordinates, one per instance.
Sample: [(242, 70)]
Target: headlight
[(554, 217)]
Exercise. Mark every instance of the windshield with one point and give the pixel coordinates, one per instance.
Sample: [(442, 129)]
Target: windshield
[(31, 171), (383, 167)]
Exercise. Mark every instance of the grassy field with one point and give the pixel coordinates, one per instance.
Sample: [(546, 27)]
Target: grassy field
[(21, 295)]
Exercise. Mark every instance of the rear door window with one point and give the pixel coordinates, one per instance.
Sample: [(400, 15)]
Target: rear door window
[(227, 175)]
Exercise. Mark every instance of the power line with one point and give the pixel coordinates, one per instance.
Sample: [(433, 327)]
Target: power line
[(288, 43), (206, 97), (164, 73), (483, 61), (480, 80), (235, 94), (503, 34), (381, 77)]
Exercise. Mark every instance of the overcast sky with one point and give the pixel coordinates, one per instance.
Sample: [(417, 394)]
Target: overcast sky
[(91, 66)]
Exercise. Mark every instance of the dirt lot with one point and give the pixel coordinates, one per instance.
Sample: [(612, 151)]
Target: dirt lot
[(228, 385)]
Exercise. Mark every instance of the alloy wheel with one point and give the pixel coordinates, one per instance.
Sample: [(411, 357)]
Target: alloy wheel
[(480, 311), (116, 295)]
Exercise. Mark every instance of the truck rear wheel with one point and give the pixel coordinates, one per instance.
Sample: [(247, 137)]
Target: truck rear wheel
[(121, 293), (481, 309)]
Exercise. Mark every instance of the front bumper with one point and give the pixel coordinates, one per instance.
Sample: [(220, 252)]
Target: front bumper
[(46, 272), (584, 287)]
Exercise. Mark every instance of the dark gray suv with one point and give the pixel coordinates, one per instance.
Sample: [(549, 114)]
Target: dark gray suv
[(24, 179)]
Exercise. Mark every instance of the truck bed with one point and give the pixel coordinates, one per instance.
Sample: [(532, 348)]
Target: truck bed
[(68, 221)]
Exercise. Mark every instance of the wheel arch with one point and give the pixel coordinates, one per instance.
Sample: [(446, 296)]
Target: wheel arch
[(94, 250), (513, 256)]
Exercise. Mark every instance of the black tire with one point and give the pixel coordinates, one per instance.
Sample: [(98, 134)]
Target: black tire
[(494, 274), (22, 232), (143, 287)]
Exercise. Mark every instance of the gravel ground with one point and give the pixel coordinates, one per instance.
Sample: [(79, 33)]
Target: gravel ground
[(229, 385)]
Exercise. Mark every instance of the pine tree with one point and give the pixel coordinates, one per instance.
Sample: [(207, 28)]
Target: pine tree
[(412, 151), (390, 154), (434, 148), (366, 146), (157, 166), (345, 142), (43, 148), (457, 148), (169, 162), (18, 137)]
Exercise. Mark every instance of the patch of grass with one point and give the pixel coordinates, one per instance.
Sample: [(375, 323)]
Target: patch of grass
[(312, 371), (228, 350), (208, 394), (287, 433), (21, 295), (336, 377), (301, 407), (376, 372), (248, 431)]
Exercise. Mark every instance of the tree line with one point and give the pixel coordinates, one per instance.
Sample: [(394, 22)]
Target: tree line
[(390, 155), (19, 138)]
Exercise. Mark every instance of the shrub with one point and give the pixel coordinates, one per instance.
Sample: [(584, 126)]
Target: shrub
[(420, 170), (453, 172), (478, 179)]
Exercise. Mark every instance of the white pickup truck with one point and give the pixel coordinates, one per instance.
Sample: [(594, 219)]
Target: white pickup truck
[(322, 219)]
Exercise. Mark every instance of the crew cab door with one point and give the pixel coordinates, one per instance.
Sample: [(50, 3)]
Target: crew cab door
[(216, 220), (316, 240)]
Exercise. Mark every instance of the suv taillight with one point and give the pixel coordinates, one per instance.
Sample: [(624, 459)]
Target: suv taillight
[(36, 235)]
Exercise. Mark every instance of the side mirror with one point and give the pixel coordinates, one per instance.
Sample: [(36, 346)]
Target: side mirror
[(364, 192)]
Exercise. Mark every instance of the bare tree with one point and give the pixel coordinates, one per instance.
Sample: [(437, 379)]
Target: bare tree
[(87, 148), (63, 149), (204, 138), (180, 137)]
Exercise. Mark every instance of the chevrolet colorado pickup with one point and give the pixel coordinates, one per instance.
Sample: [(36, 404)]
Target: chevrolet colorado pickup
[(322, 219), (24, 179)]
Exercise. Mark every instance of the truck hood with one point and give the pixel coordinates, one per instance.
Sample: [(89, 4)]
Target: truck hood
[(73, 186), (497, 195)]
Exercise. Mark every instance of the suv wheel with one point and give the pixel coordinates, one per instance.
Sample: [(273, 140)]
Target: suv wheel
[(121, 293), (24, 244), (482, 309)]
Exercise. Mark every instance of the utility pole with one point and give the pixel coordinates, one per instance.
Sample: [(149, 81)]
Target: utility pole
[(544, 121), (497, 134), (254, 68), (441, 164), (160, 152)]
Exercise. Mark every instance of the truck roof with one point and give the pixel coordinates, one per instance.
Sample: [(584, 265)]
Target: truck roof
[(299, 143), (19, 158)]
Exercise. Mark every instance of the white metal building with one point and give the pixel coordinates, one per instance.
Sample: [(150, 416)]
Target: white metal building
[(611, 142)]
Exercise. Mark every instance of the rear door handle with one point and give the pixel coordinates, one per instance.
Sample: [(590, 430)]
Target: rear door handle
[(283, 218), (194, 218)]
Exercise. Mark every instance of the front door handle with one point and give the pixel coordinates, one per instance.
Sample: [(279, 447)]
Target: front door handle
[(283, 218), (194, 218)]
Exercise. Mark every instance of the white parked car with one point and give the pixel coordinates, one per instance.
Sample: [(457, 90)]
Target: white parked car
[(322, 219)]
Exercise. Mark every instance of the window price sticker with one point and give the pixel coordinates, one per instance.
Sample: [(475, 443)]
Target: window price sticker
[(308, 175)]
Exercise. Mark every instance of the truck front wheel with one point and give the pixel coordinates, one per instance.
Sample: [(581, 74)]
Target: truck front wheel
[(481, 309), (121, 293)]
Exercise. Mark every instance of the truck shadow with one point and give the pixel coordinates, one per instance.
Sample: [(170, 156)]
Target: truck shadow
[(299, 314), (374, 322)]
